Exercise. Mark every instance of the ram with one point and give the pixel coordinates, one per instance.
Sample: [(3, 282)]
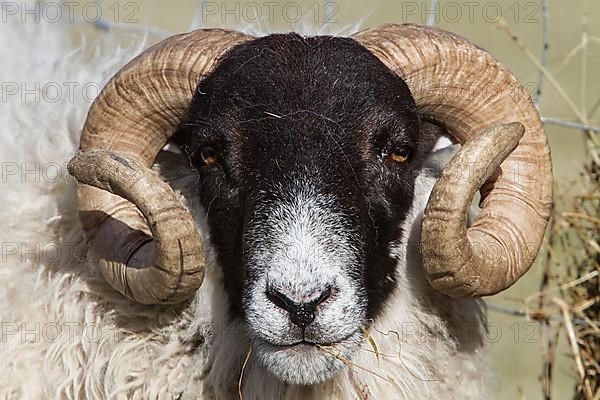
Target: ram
[(292, 255)]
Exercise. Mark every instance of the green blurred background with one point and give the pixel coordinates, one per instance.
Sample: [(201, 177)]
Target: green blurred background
[(516, 341)]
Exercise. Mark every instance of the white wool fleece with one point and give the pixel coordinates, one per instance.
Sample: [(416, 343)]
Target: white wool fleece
[(66, 334)]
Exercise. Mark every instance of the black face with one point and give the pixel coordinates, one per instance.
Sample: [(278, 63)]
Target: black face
[(307, 151)]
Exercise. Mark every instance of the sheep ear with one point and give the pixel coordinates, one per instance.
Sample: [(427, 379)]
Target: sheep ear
[(434, 136), (505, 155), (148, 246)]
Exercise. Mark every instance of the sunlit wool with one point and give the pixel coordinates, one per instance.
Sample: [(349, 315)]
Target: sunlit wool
[(67, 334)]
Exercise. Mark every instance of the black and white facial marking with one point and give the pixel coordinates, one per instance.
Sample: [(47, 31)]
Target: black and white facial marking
[(307, 151)]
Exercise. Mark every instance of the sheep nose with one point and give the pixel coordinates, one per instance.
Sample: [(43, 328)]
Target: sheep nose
[(301, 313)]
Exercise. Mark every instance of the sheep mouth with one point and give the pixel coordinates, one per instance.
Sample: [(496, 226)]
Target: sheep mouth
[(305, 342), (307, 362), (312, 343)]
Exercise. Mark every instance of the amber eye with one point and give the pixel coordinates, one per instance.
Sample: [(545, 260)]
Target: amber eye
[(400, 154), (209, 155)]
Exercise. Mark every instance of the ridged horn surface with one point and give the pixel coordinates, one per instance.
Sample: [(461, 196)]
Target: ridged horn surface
[(147, 243), (476, 98)]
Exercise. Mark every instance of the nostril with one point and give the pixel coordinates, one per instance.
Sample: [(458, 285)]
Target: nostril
[(326, 294), (279, 299), (301, 313)]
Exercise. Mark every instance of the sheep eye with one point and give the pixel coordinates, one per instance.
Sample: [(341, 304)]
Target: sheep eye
[(209, 155), (400, 154)]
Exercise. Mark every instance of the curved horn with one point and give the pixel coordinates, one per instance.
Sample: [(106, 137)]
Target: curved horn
[(469, 92), (149, 249)]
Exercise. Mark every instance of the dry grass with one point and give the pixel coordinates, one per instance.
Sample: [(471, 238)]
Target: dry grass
[(578, 278), (570, 287)]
